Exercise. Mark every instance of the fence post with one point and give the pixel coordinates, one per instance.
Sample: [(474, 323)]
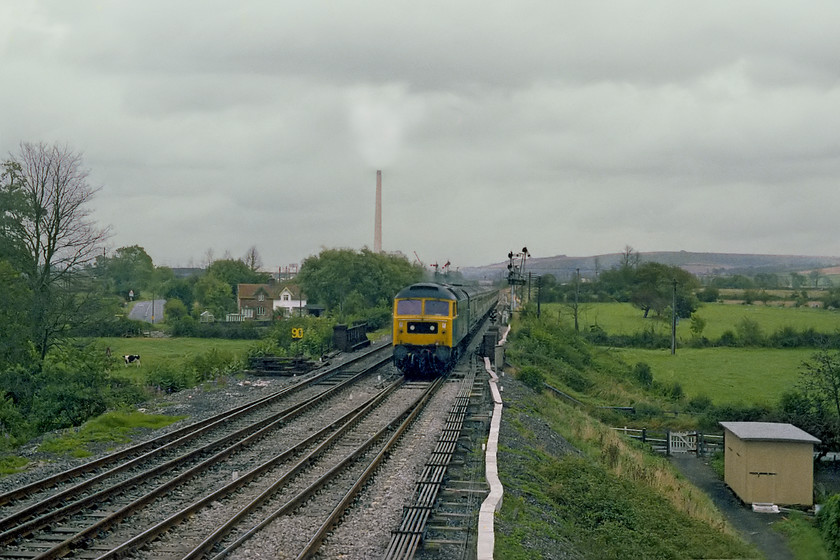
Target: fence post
[(644, 435), (667, 443)]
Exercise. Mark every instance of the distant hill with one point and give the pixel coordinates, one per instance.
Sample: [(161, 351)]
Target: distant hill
[(702, 264)]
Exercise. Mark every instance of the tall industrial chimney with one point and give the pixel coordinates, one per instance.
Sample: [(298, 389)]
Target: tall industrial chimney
[(377, 226)]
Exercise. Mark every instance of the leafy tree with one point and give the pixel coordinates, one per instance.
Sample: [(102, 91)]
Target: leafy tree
[(698, 325), (812, 415), (48, 235), (235, 272), (215, 295), (650, 286), (820, 379), (346, 281), (182, 289), (174, 310), (708, 294), (831, 300), (749, 332), (15, 334), (829, 522), (737, 282), (130, 269), (766, 280)]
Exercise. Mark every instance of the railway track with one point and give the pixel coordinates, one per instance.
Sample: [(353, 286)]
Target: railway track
[(272, 478), (77, 513)]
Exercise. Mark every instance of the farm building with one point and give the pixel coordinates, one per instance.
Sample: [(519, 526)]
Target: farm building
[(768, 462)]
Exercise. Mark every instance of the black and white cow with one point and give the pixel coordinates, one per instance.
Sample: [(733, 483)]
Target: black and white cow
[(132, 359)]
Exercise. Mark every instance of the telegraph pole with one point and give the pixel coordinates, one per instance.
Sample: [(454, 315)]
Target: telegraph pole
[(577, 290), (674, 320)]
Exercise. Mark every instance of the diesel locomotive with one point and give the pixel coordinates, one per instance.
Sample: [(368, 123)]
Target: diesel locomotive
[(432, 324)]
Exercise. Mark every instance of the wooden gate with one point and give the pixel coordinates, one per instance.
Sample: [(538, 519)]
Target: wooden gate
[(683, 442)]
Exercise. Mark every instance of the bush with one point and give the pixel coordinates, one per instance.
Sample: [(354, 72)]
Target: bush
[(676, 392), (728, 338), (68, 396), (647, 410), (115, 327), (70, 388), (317, 336), (14, 429), (643, 374), (532, 377), (699, 403), (749, 333), (829, 520), (212, 363), (575, 380), (170, 378)]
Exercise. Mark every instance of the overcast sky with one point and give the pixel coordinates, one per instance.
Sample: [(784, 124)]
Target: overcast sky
[(572, 128)]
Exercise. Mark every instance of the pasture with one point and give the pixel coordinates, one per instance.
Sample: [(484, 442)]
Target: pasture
[(166, 351), (747, 376), (624, 318)]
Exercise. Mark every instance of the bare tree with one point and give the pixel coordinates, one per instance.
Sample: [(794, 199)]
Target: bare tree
[(56, 238), (630, 258), (209, 258), (252, 259)]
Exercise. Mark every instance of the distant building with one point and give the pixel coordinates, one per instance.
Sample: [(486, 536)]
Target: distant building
[(262, 302), (768, 462), (187, 272)]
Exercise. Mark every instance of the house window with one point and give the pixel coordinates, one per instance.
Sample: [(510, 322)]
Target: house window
[(287, 297), (248, 313), (260, 310)]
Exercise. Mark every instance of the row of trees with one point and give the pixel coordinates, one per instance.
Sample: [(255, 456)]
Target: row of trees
[(652, 287)]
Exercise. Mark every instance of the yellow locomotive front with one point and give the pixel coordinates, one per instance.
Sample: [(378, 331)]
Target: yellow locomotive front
[(424, 316)]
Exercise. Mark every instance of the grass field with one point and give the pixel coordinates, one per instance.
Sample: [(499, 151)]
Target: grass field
[(726, 375), (158, 351), (624, 318)]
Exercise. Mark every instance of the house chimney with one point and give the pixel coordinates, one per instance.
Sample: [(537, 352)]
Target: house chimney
[(377, 226)]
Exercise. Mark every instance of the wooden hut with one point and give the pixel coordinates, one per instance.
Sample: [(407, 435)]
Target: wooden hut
[(769, 462)]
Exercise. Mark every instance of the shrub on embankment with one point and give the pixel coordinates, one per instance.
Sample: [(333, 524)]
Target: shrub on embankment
[(574, 486)]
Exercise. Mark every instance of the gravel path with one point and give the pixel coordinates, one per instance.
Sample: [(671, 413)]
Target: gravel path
[(755, 528)]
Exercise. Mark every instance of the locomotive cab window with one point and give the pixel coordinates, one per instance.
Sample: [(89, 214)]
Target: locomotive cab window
[(409, 307), (437, 307)]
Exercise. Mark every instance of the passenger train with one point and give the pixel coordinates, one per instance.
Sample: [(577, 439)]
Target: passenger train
[(432, 324)]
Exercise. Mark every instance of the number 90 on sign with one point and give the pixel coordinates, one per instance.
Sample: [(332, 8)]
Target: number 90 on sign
[(297, 332)]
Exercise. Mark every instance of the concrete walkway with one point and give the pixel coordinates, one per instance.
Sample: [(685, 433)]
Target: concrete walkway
[(755, 528)]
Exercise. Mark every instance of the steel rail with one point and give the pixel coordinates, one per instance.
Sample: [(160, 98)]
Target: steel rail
[(406, 540), (264, 426), (337, 427), (305, 494), (315, 542), (244, 436), (178, 434)]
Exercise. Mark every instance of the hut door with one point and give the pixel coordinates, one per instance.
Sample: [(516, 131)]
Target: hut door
[(763, 486)]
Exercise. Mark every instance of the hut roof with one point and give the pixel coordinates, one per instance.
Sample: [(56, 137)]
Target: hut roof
[(769, 431)]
